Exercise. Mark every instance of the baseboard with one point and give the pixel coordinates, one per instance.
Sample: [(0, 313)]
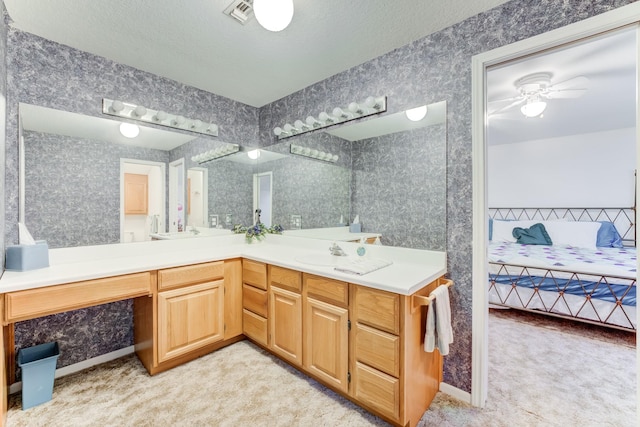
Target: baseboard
[(455, 392), (77, 367)]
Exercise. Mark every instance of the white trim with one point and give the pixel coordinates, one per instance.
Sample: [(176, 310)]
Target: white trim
[(174, 193), (589, 27), (80, 366), (163, 185), (455, 392)]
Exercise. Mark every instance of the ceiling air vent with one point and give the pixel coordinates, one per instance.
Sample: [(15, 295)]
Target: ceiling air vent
[(240, 10)]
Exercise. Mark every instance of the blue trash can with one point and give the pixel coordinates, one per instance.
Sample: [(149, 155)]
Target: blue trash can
[(38, 365)]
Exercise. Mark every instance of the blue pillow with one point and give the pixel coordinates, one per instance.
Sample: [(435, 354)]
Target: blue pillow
[(490, 228), (608, 236)]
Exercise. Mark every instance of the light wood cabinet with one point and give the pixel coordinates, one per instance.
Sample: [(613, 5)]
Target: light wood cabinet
[(255, 304), (189, 318), (326, 337), (285, 324), (136, 194), (192, 311)]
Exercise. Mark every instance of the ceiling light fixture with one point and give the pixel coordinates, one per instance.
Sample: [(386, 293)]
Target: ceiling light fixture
[(210, 155), (129, 130), (416, 114), (313, 153), (273, 15), (533, 108), (355, 110), (147, 115)]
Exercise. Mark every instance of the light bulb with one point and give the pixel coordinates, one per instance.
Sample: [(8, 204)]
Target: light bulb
[(179, 120), (160, 116), (324, 117), (129, 130), (335, 158), (213, 128), (300, 125), (277, 130), (139, 111), (197, 124), (338, 112), (533, 109), (311, 121), (117, 106), (416, 114), (273, 15), (372, 102), (355, 108), (253, 154), (288, 128)]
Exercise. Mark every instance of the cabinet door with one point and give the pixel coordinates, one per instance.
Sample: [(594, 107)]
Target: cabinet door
[(285, 324), (136, 190), (326, 352), (189, 318)]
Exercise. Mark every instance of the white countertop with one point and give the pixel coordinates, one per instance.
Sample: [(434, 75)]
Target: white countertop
[(339, 234), (411, 269)]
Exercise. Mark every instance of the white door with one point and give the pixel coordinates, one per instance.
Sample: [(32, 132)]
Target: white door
[(262, 192)]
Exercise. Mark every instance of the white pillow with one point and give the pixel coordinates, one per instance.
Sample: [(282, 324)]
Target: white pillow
[(573, 233), (503, 230)]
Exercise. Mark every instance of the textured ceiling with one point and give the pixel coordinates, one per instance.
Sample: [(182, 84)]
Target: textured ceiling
[(193, 42)]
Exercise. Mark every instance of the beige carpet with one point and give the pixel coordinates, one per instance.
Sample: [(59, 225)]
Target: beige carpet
[(539, 376)]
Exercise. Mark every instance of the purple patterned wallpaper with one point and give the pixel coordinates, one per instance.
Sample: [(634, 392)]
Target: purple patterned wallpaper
[(432, 69)]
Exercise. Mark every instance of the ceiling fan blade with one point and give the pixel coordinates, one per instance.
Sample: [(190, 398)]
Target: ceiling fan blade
[(573, 83), (564, 94), (497, 101), (518, 101)]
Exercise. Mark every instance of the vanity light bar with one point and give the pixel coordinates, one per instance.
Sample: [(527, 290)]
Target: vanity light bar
[(355, 110), (210, 155), (143, 114), (313, 153)]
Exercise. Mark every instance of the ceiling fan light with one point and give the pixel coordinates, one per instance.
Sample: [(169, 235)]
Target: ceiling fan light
[(533, 109), (273, 15)]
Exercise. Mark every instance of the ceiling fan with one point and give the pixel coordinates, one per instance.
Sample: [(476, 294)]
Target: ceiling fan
[(535, 89)]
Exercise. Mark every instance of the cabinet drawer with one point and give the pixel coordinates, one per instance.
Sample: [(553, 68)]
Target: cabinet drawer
[(285, 278), (378, 349), (255, 300), (32, 303), (254, 273), (254, 327), (377, 308), (332, 291), (377, 390), (190, 274)]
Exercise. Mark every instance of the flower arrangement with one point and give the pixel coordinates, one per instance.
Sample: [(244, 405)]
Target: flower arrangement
[(258, 231)]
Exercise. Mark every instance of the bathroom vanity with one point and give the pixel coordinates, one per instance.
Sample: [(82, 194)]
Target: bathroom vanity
[(361, 336)]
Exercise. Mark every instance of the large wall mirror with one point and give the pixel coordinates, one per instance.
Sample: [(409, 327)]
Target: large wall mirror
[(76, 172)]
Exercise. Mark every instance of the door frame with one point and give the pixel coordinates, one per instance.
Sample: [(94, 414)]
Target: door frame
[(608, 21), (205, 194), (174, 195), (163, 186), (256, 192)]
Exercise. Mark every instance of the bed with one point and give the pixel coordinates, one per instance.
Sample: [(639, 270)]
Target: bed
[(587, 273)]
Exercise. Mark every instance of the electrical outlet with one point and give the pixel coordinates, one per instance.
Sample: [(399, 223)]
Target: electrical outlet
[(296, 222), (228, 219), (213, 221)]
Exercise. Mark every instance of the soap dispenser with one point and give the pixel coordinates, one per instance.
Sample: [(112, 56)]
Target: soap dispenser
[(361, 249)]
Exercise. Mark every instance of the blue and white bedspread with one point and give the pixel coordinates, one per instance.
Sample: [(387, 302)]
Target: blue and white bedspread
[(620, 262)]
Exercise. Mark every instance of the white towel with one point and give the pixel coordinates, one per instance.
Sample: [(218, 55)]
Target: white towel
[(439, 333), (363, 266)]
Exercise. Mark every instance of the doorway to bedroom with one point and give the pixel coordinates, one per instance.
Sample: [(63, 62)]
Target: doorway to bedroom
[(561, 194)]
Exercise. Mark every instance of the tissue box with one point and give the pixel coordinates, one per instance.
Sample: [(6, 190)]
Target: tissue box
[(355, 228), (27, 257)]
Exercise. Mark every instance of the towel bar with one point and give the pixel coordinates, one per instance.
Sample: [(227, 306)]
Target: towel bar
[(420, 300)]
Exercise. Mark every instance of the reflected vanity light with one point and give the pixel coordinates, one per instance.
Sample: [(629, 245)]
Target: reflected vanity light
[(210, 155), (354, 110), (147, 115), (313, 153), (253, 154), (416, 114), (129, 130)]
